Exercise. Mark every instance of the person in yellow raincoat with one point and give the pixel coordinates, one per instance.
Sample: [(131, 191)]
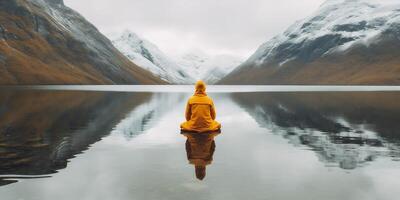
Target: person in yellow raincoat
[(200, 112)]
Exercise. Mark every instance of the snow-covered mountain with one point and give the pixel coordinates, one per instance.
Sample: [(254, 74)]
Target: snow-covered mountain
[(343, 42), (206, 67), (148, 56), (179, 69)]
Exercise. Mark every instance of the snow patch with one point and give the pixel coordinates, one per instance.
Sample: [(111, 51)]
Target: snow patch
[(349, 21)]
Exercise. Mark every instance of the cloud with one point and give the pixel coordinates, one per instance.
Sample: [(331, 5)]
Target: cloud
[(176, 26)]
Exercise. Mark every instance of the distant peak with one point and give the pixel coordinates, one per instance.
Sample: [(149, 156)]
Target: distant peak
[(55, 2), (340, 2), (129, 33), (373, 2)]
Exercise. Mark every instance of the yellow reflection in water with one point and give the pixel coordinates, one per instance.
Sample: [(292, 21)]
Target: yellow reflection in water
[(200, 149)]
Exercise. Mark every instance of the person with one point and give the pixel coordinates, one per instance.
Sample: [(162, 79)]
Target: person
[(200, 112)]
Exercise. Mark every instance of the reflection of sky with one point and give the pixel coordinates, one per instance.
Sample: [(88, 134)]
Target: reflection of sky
[(250, 162)]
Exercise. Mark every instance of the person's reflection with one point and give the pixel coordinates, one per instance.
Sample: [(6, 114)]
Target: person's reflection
[(200, 149)]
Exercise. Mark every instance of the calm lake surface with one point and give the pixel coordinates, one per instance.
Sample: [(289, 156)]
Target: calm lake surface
[(67, 144)]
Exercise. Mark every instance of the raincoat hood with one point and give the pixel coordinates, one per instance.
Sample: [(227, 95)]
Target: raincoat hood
[(200, 88)]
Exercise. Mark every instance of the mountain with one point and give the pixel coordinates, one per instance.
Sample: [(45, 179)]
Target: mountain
[(219, 66), (181, 69), (45, 42), (148, 56), (206, 67), (343, 42)]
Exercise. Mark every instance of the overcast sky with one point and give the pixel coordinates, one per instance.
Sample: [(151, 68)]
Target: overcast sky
[(214, 26)]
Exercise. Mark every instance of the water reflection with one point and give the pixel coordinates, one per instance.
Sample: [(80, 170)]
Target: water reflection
[(41, 130), (347, 130), (146, 115), (200, 149), (141, 153)]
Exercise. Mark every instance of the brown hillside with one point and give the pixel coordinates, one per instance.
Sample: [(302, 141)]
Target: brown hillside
[(36, 48)]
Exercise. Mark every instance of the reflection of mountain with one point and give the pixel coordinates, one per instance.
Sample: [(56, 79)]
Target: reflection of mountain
[(41, 130), (345, 128), (145, 115)]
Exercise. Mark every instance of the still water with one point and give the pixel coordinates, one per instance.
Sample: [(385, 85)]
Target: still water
[(88, 145)]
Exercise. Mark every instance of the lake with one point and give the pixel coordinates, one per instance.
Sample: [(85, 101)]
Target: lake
[(122, 142)]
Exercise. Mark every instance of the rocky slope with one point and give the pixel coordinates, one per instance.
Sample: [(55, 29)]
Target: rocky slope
[(344, 42), (148, 56), (45, 42)]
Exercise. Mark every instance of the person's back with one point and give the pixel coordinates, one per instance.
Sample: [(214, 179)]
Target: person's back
[(200, 112)]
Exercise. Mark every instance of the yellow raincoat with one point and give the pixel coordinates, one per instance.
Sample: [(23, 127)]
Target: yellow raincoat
[(200, 112)]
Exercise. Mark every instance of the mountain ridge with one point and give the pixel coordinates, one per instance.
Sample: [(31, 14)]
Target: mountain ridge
[(343, 42), (149, 57), (45, 42), (177, 69)]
